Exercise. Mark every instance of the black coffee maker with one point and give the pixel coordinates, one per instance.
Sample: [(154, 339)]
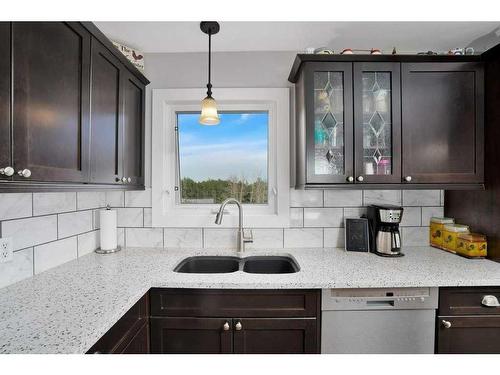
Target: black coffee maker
[(385, 239)]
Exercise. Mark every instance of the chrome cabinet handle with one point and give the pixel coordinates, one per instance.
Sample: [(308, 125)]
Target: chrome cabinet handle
[(129, 179), (26, 173), (238, 326), (490, 301), (7, 171), (226, 326), (360, 178), (350, 179), (124, 179), (408, 178), (446, 323)]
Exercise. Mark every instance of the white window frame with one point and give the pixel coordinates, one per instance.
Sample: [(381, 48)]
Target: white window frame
[(166, 209)]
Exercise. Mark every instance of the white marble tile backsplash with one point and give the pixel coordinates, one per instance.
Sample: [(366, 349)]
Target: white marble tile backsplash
[(51, 228)]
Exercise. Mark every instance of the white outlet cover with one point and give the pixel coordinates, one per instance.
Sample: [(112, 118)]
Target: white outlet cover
[(6, 254)]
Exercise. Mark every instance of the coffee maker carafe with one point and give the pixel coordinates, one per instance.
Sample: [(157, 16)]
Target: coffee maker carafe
[(385, 239)]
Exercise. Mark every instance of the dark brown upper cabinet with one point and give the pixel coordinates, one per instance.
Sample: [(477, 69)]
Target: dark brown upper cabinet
[(6, 168), (51, 101), (377, 122), (133, 129), (106, 143), (443, 122), (389, 121), (71, 109)]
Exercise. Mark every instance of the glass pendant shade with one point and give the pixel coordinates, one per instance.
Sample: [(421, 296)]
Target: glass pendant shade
[(209, 115)]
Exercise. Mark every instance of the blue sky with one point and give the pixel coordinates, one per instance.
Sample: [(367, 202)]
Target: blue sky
[(235, 147)]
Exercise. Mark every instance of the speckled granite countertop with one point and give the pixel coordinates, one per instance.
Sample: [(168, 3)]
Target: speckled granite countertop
[(68, 308)]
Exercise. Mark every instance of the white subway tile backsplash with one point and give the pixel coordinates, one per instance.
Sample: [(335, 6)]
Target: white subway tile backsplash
[(354, 212), (323, 217), (20, 268), (415, 236), (266, 238), (441, 197), (334, 237), (52, 203), (129, 217), (296, 217), (148, 216), (421, 197), (31, 231), (411, 217), (138, 198), (428, 212), (224, 238), (120, 232), (90, 199), (343, 198), (14, 206), (115, 198), (74, 223), (144, 237), (55, 253), (303, 237), (88, 242), (183, 237), (381, 197), (306, 198)]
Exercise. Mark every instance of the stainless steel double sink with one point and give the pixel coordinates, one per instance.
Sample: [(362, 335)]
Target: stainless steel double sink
[(227, 264)]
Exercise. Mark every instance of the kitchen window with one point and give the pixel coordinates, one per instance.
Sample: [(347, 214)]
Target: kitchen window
[(246, 156)]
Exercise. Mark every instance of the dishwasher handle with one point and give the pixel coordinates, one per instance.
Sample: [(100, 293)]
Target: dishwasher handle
[(380, 303)]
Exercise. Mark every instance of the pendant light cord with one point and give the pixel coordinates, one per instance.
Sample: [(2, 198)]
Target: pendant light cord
[(209, 85)]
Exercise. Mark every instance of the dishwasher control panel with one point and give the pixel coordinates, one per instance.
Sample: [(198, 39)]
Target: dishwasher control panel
[(379, 299)]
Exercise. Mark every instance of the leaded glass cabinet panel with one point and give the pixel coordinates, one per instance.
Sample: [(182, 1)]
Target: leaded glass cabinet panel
[(329, 122), (377, 122)]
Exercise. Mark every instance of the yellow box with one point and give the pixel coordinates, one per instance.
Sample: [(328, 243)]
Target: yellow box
[(436, 230), (450, 233), (472, 245)]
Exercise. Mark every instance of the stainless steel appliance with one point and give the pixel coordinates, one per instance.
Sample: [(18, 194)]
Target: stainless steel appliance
[(378, 320), (385, 239)]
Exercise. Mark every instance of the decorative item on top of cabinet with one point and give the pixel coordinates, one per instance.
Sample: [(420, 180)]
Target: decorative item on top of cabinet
[(351, 131)]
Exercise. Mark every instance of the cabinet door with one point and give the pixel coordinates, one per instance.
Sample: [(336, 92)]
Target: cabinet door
[(469, 335), (51, 100), (276, 336), (191, 335), (5, 123), (139, 344), (105, 120), (133, 129), (377, 122), (443, 122), (329, 125)]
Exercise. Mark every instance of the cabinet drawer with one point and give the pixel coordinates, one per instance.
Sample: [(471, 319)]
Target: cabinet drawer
[(467, 301), (240, 303)]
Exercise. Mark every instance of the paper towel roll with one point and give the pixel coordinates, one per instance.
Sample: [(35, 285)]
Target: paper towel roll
[(108, 229)]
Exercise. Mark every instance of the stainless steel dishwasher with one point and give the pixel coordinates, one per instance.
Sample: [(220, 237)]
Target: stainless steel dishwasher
[(378, 320)]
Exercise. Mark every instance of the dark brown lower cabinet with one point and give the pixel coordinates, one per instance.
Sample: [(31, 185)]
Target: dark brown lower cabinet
[(139, 344), (476, 334), (191, 335), (465, 323), (276, 336)]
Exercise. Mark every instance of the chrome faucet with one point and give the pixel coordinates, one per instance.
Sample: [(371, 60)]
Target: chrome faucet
[(242, 240)]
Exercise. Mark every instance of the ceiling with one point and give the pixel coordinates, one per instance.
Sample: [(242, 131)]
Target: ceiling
[(158, 37)]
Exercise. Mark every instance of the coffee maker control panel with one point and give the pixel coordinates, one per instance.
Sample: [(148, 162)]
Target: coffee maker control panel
[(390, 216)]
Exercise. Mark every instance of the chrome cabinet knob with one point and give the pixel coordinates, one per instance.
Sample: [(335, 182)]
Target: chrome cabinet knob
[(124, 179), (226, 326), (408, 178), (360, 178), (7, 171), (350, 179), (24, 173), (129, 179), (238, 326), (446, 323)]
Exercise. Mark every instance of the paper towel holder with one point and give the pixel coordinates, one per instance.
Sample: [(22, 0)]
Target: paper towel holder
[(110, 251)]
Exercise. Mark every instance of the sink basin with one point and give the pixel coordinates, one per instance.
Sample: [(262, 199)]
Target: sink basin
[(208, 264), (227, 264), (270, 265)]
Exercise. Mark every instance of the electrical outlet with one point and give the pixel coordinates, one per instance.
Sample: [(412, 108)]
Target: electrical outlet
[(6, 254)]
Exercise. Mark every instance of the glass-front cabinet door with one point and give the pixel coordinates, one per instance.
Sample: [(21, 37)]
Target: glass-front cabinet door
[(377, 122), (329, 119)]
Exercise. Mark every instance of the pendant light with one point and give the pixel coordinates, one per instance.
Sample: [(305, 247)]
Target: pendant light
[(209, 115)]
